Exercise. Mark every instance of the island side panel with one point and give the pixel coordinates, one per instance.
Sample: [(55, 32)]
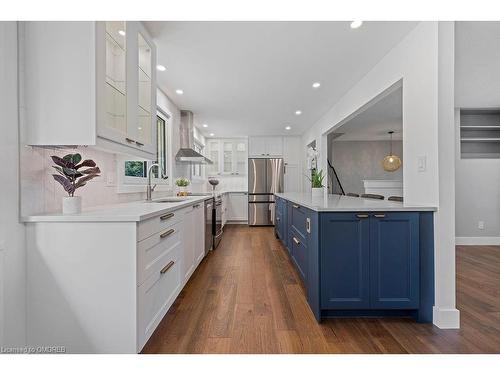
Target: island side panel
[(82, 286), (426, 267)]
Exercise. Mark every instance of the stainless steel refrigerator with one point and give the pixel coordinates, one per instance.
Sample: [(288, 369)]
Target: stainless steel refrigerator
[(265, 177)]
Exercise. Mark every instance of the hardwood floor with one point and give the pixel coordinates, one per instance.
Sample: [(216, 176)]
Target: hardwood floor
[(246, 297)]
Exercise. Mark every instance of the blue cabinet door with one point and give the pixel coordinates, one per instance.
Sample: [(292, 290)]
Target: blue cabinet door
[(394, 258), (299, 253), (345, 261)]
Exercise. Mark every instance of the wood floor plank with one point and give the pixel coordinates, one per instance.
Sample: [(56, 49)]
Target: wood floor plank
[(247, 297)]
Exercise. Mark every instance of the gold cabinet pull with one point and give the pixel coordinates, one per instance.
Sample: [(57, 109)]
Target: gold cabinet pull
[(379, 215), (362, 216), (296, 241), (129, 140), (296, 206), (139, 144), (167, 233), (167, 267), (167, 216)]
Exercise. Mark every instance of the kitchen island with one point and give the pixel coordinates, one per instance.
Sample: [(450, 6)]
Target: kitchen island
[(360, 257)]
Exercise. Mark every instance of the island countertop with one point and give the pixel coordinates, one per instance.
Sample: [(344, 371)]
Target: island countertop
[(343, 203)]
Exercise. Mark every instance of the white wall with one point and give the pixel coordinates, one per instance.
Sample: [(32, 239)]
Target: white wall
[(12, 246), (477, 83), (414, 61)]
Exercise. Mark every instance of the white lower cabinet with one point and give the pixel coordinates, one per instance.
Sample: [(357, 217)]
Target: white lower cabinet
[(237, 207), (108, 291)]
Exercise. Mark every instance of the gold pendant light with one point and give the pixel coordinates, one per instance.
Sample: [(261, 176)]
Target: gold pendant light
[(391, 162)]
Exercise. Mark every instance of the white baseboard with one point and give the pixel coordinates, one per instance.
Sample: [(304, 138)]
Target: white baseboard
[(446, 318), (480, 241)]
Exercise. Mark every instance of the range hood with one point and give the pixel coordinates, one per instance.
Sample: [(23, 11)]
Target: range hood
[(186, 152)]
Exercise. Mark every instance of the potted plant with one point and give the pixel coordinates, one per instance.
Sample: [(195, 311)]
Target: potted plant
[(182, 183), (317, 182), (73, 173)]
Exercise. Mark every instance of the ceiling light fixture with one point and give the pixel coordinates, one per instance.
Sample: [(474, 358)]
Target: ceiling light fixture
[(391, 162), (212, 134), (316, 85), (298, 112), (288, 127), (205, 125), (121, 32), (179, 92), (356, 24), (161, 68)]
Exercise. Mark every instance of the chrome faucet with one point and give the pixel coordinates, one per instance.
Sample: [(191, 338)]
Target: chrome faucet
[(149, 188)]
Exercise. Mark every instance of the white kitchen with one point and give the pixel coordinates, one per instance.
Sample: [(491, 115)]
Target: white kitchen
[(206, 187)]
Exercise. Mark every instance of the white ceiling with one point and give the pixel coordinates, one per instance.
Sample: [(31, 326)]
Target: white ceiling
[(249, 78), (373, 123)]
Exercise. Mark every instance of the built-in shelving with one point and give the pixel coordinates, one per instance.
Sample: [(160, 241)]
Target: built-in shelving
[(480, 133)]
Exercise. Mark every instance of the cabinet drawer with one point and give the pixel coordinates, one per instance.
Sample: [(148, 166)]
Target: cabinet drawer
[(298, 216), (156, 295), (157, 224), (150, 251)]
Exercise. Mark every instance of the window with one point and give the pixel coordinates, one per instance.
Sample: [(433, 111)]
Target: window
[(134, 172), (197, 169)]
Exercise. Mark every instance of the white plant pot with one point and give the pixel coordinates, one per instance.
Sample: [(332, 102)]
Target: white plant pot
[(72, 205), (317, 192)]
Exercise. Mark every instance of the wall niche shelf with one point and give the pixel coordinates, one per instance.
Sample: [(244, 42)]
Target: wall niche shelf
[(480, 133)]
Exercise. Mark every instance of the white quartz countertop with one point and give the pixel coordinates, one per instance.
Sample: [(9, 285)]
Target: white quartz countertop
[(344, 203), (132, 211)]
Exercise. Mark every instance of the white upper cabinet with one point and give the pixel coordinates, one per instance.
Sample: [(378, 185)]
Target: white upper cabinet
[(58, 89), (90, 83), (229, 157), (265, 147), (291, 150)]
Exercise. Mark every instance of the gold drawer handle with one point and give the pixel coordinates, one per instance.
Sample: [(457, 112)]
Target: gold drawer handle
[(167, 267), (296, 206), (296, 241), (139, 144), (129, 140), (362, 216), (379, 215), (167, 216), (167, 233)]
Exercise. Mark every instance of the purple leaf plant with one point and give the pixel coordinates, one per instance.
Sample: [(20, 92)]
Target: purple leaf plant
[(71, 174)]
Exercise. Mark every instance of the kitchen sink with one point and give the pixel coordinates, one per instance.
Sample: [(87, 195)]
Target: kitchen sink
[(170, 200)]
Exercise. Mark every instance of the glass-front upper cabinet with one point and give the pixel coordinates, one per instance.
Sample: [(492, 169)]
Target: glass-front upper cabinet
[(126, 73), (116, 77), (213, 155), (144, 126), (229, 156), (227, 147)]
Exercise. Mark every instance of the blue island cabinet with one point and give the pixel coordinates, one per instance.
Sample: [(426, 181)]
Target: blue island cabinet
[(369, 264)]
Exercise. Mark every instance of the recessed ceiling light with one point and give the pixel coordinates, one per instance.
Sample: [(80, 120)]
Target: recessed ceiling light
[(212, 134), (179, 92), (356, 24), (298, 112), (288, 127), (316, 85), (121, 32), (161, 68), (205, 125)]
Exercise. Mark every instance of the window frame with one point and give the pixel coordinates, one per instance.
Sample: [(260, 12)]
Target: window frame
[(128, 184)]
